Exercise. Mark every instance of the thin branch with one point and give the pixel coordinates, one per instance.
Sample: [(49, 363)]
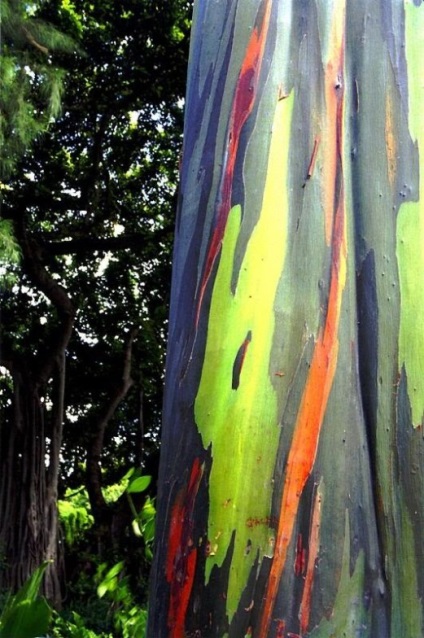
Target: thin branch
[(34, 42)]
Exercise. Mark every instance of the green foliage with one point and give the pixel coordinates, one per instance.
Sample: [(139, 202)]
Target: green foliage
[(121, 610), (129, 619), (143, 524), (31, 83), (26, 615), (74, 514), (9, 248), (10, 253), (113, 492), (116, 607), (129, 623), (68, 7), (75, 627)]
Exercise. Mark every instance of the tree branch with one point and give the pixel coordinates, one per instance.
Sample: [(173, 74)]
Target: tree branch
[(41, 278), (34, 42), (95, 448), (32, 263)]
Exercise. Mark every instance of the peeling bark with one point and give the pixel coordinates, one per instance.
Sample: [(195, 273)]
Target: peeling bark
[(292, 479)]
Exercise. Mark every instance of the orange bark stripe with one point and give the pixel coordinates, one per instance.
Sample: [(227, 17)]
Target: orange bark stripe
[(304, 446), (305, 608), (318, 385)]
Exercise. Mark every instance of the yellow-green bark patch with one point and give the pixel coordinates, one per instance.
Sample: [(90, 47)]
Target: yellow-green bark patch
[(410, 227), (241, 424)]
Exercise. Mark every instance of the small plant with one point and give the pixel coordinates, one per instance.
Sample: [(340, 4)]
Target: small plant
[(116, 610), (129, 619), (26, 614), (74, 628), (144, 521), (75, 515)]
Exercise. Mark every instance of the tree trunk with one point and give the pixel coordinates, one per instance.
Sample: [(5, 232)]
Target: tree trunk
[(28, 496), (111, 520), (31, 440), (292, 479)]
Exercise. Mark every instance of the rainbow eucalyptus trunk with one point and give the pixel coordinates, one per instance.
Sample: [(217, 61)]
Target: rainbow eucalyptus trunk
[(291, 497)]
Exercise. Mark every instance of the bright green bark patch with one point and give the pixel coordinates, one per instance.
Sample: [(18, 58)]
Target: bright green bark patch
[(241, 423), (410, 252), (410, 227)]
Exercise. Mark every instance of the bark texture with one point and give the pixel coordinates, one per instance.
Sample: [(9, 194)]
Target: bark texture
[(292, 477)]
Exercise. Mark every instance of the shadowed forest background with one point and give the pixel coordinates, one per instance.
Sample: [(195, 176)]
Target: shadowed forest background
[(91, 103)]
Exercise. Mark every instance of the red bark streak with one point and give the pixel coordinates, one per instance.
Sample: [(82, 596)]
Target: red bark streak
[(182, 555), (244, 100), (305, 607), (281, 629), (300, 559)]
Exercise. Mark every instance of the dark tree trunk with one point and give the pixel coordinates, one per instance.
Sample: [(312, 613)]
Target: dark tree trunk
[(111, 520), (29, 459), (30, 445)]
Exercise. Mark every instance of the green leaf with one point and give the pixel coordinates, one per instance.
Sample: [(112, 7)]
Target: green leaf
[(129, 474), (29, 591), (114, 571), (102, 589), (148, 511), (25, 614), (139, 484), (26, 619), (110, 581), (149, 530)]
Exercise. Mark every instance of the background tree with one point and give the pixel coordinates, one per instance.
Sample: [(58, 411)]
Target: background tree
[(31, 82), (91, 206), (9, 252), (291, 482)]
